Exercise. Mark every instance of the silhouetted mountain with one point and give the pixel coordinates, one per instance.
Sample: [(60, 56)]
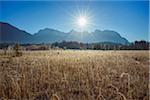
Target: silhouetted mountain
[(96, 36), (48, 36), (109, 36), (11, 34)]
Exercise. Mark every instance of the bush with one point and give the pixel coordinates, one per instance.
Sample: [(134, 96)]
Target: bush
[(17, 50)]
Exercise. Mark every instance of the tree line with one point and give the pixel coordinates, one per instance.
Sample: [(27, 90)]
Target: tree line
[(137, 45)]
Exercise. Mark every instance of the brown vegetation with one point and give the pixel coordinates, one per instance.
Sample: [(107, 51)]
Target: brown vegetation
[(75, 75)]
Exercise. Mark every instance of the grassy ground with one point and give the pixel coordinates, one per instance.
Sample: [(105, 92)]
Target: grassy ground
[(75, 75)]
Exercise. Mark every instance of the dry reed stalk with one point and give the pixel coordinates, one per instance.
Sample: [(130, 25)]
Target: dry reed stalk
[(54, 97)]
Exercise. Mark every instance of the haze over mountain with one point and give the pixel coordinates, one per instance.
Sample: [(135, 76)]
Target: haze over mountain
[(11, 34)]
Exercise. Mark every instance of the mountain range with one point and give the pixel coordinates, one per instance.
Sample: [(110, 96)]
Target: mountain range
[(12, 34)]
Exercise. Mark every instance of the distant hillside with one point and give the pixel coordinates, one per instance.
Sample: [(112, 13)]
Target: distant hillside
[(11, 34), (48, 36), (97, 36)]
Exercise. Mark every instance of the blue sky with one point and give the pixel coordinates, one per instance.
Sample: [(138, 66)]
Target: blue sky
[(129, 18)]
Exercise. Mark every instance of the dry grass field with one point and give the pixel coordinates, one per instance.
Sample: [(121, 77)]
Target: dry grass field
[(75, 75)]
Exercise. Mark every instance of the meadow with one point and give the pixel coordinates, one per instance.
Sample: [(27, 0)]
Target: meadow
[(75, 75)]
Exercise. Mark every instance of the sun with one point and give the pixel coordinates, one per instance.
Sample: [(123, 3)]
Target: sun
[(82, 21)]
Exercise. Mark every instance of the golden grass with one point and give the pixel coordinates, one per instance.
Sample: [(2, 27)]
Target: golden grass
[(75, 75)]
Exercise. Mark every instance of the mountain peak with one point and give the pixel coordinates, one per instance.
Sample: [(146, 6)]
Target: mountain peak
[(11, 34)]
